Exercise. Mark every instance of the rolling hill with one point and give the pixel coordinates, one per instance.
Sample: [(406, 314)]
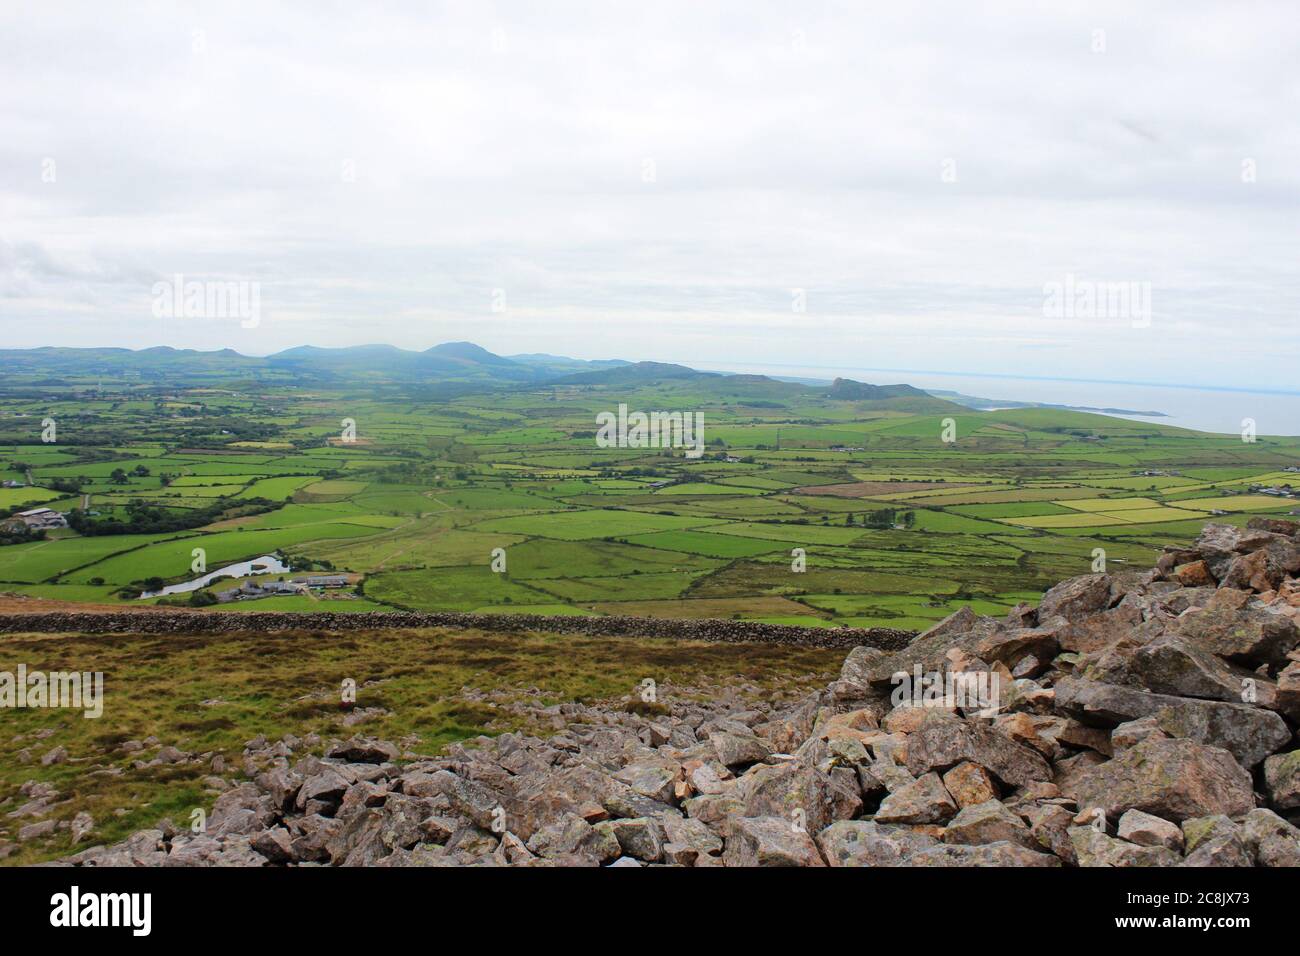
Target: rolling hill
[(445, 370)]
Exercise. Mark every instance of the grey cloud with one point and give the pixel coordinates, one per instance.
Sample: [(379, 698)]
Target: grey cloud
[(793, 146)]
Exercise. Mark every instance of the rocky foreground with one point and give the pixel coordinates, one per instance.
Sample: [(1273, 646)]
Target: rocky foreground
[(1143, 719)]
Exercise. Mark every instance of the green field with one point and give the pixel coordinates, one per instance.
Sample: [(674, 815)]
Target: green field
[(894, 527)]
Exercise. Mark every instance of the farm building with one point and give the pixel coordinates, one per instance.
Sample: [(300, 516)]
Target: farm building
[(42, 518), (250, 590), (323, 581)]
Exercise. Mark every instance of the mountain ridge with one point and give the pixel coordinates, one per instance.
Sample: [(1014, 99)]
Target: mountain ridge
[(460, 365)]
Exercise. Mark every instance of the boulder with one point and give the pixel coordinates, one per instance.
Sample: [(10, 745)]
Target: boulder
[(326, 786), (1173, 779), (1147, 830), (1050, 825), (573, 836), (642, 837), (541, 796), (1076, 598), (988, 822), (867, 843), (970, 784), (1282, 776), (988, 854), (1171, 664), (276, 844), (651, 778), (855, 674), (1215, 841), (473, 800), (923, 801), (1011, 646), (1248, 732), (1092, 848), (1287, 694), (769, 841), (365, 750), (82, 825), (281, 785), (1251, 635), (1097, 632), (738, 746), (941, 744), (35, 831), (930, 651), (1270, 839), (1194, 574), (1273, 525), (793, 789), (1249, 572), (1133, 732), (688, 841)]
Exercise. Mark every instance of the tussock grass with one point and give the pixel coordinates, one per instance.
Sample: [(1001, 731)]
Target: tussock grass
[(210, 694)]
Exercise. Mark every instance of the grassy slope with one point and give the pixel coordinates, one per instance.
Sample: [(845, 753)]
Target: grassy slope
[(210, 695)]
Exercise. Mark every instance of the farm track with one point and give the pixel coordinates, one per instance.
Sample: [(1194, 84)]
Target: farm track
[(172, 621)]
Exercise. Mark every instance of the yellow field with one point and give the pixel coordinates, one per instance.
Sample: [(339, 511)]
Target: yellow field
[(1236, 503), (546, 472), (1108, 504), (1081, 520), (1153, 514), (1150, 515), (1135, 483)]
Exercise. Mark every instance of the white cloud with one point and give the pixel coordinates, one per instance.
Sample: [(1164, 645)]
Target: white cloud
[(793, 146)]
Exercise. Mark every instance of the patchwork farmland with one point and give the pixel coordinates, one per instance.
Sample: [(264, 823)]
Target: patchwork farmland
[(499, 498)]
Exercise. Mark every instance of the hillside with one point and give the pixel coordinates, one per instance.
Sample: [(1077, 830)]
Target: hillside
[(1132, 719), (444, 371), (450, 362), (847, 390)]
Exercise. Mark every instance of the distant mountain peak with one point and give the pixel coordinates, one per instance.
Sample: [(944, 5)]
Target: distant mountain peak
[(468, 351), (847, 390)]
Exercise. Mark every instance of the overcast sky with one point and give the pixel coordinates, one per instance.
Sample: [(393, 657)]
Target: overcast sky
[(655, 180)]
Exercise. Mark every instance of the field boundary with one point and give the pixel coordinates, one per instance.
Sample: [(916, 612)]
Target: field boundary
[(218, 622)]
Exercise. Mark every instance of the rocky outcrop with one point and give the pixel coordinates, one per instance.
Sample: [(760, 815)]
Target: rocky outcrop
[(1135, 720)]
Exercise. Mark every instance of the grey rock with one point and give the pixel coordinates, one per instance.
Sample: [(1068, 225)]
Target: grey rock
[(988, 854), (989, 822), (944, 743), (1147, 830), (1076, 598), (1093, 848), (769, 841), (1215, 841), (1248, 732), (923, 801), (1172, 779), (1271, 840), (1282, 776)]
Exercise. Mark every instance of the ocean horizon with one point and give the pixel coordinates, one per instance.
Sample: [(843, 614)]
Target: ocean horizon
[(1217, 409)]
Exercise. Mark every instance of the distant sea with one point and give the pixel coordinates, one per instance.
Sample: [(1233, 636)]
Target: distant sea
[(1204, 409)]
